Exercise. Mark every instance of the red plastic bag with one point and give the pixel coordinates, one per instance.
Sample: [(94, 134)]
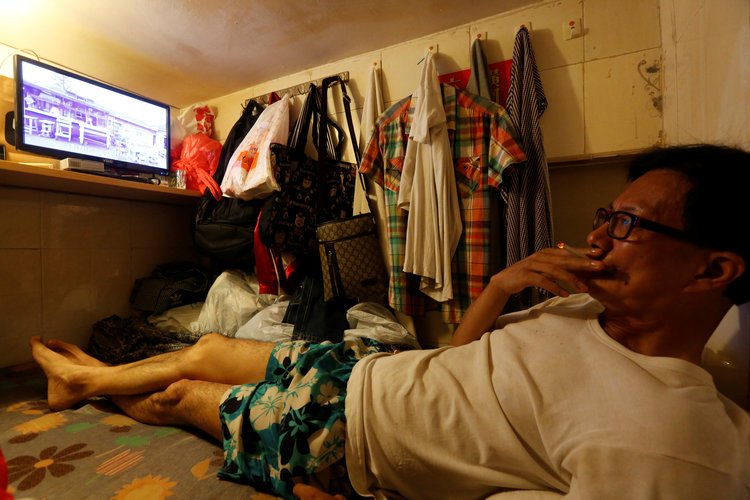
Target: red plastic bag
[(4, 495), (199, 159)]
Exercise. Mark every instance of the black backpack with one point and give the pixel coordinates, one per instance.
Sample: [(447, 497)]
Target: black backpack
[(170, 285), (224, 229)]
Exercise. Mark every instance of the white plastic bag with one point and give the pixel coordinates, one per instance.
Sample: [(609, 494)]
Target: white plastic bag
[(232, 300), (191, 120), (374, 321), (267, 326), (181, 319), (249, 174)]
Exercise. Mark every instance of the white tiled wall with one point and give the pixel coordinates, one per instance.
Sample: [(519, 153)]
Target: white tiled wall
[(598, 101), (67, 261), (620, 113), (706, 57)]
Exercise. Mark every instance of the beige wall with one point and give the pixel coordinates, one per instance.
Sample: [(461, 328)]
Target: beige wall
[(643, 73), (707, 65), (599, 103), (67, 261)]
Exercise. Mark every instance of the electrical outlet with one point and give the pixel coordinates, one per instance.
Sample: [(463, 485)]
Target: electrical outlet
[(571, 29)]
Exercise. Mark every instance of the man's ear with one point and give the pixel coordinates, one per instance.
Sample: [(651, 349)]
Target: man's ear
[(720, 269)]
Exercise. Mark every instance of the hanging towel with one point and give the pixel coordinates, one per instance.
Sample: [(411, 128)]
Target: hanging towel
[(428, 191), (366, 201), (479, 81), (528, 220), (373, 200), (371, 109)]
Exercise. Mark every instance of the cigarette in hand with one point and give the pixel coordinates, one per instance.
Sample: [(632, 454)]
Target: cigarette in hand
[(571, 250)]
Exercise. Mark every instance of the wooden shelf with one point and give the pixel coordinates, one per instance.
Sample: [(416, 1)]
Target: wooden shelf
[(593, 160), (50, 179)]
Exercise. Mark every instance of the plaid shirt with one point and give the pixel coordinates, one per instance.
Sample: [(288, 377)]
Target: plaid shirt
[(484, 145)]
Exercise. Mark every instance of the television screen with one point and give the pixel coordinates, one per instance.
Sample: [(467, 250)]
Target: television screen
[(64, 115)]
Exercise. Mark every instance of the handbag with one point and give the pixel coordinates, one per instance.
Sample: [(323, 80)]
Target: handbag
[(224, 229), (312, 191), (350, 253), (351, 260)]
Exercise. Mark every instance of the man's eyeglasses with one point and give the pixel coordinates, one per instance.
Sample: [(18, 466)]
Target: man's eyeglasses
[(619, 225)]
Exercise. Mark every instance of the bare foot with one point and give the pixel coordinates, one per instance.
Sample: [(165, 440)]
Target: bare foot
[(73, 353), (64, 388)]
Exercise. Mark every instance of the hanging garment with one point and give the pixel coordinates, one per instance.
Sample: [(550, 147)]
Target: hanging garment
[(374, 199), (371, 109), (483, 145), (479, 83), (428, 191), (527, 217)]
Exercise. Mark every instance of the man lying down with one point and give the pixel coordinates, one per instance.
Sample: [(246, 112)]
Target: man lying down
[(592, 395)]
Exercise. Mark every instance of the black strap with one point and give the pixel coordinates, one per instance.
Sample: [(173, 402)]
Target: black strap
[(350, 123), (298, 137), (323, 129), (322, 141), (333, 148), (352, 134), (241, 127)]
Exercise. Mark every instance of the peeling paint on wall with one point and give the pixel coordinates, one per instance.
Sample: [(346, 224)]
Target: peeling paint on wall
[(651, 74)]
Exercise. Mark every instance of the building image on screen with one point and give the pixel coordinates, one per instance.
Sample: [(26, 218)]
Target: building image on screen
[(65, 113)]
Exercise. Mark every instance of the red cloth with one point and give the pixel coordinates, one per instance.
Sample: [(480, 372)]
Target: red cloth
[(499, 74), (264, 265), (269, 267), (4, 495)]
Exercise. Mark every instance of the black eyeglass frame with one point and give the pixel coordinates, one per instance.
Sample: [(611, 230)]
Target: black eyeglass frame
[(638, 221)]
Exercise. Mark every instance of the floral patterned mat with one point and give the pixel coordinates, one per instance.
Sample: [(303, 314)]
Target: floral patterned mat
[(93, 451)]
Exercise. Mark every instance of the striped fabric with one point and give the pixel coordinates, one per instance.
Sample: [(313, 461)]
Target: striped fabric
[(484, 145), (527, 215)]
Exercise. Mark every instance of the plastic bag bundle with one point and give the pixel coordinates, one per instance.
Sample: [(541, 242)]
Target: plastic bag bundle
[(199, 159), (192, 120), (249, 172), (233, 299)]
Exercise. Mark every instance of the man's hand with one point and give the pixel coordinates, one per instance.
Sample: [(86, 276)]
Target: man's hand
[(544, 269), (307, 492)]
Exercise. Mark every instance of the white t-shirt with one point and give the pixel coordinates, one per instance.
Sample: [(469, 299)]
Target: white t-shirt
[(549, 401), (428, 191)]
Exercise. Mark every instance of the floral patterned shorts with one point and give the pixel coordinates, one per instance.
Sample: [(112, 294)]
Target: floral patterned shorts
[(291, 427)]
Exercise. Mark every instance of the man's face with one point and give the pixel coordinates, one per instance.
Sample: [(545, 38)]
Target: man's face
[(647, 268)]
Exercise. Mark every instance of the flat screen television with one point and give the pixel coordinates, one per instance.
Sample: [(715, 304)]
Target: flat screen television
[(64, 115)]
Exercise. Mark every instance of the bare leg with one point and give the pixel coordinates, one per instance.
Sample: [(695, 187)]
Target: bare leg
[(73, 377), (187, 403)]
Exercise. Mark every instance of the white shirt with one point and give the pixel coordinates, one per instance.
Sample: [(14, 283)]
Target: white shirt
[(428, 191), (551, 402)]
